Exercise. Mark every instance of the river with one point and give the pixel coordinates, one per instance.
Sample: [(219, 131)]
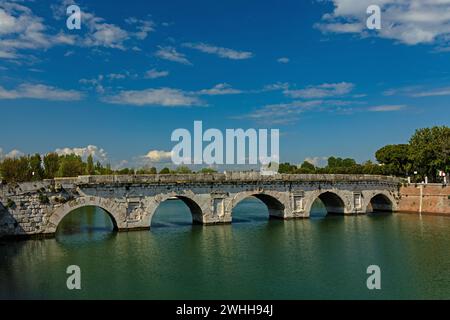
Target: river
[(253, 258)]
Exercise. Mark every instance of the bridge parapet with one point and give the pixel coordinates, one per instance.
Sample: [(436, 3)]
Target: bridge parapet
[(218, 177)]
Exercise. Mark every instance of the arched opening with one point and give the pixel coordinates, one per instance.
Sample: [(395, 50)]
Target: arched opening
[(380, 203), (176, 211), (86, 223), (327, 203), (257, 207)]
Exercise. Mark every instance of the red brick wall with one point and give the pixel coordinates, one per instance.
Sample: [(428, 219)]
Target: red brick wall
[(435, 199)]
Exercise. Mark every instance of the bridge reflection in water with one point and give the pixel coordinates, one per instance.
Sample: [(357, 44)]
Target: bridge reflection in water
[(253, 258)]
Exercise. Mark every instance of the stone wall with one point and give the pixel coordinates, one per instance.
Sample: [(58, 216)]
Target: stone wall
[(430, 198)]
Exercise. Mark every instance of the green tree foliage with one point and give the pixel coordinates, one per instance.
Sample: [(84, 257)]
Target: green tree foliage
[(164, 171), (208, 170), (16, 169), (90, 169), (125, 171), (70, 165), (307, 167), (183, 170), (395, 158), (430, 151), (287, 168), (151, 170), (51, 165), (35, 164)]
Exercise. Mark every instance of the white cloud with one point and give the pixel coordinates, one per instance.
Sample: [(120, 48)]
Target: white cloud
[(219, 89), (171, 54), (12, 154), (276, 86), (21, 29), (156, 156), (154, 74), (408, 21), (116, 76), (321, 91), (104, 34), (418, 91), (166, 97), (220, 51), (433, 93), (317, 161), (386, 108), (287, 113), (39, 91), (95, 83), (97, 153), (283, 113), (283, 60), (69, 53), (144, 27)]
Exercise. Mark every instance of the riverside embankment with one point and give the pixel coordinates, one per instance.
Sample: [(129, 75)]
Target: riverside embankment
[(425, 198)]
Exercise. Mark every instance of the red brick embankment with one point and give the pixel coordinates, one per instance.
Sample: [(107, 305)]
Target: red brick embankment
[(430, 198)]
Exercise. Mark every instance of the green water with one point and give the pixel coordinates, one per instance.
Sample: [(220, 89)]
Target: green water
[(254, 258)]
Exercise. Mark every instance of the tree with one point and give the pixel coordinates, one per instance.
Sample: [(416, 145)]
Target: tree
[(334, 162), (430, 151), (208, 170), (90, 170), (147, 170), (287, 168), (108, 169), (125, 171), (98, 168), (51, 165), (183, 170), (307, 167), (36, 167), (348, 163), (371, 168), (164, 171), (70, 166), (395, 158), (16, 169)]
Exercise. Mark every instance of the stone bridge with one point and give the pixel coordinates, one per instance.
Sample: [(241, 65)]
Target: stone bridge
[(37, 208)]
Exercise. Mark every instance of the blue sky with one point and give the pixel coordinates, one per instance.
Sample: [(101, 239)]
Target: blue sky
[(137, 70)]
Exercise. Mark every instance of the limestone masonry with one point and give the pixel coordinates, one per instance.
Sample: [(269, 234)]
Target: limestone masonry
[(37, 208)]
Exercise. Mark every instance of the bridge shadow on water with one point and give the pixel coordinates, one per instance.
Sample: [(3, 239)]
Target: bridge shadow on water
[(171, 214), (85, 225), (250, 210)]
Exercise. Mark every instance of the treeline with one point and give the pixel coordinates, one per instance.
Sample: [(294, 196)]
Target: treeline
[(335, 166), (427, 153), (52, 165)]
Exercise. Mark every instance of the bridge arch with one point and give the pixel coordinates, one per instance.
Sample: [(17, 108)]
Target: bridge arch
[(334, 201), (111, 207), (380, 202), (272, 199), (192, 201)]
